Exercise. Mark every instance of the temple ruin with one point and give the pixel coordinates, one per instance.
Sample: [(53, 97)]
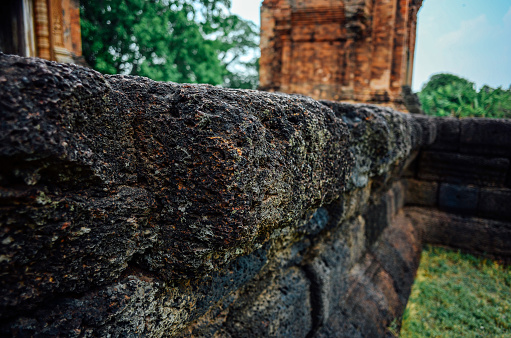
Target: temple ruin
[(49, 29), (136, 208), (354, 50)]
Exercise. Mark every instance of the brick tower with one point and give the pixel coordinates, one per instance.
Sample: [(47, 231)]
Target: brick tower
[(354, 50)]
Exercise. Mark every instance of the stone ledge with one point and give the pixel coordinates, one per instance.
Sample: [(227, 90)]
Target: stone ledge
[(462, 169), (112, 181), (472, 234), (484, 136), (133, 207)]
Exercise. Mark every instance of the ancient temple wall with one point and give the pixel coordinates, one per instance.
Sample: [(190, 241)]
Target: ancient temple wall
[(339, 50), (49, 29), (130, 207)]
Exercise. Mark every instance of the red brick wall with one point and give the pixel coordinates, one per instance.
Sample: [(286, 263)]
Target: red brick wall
[(359, 50)]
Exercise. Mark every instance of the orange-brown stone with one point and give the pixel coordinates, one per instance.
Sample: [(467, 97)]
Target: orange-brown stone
[(357, 50), (49, 29)]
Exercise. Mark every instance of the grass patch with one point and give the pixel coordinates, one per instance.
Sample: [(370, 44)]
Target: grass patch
[(458, 295)]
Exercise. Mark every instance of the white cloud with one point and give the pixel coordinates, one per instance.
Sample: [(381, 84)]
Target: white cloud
[(469, 32)]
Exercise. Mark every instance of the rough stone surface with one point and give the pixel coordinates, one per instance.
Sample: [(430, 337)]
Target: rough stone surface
[(276, 311), (344, 279), (182, 176), (130, 207), (486, 136), (382, 139), (327, 267), (447, 134), (377, 217), (429, 126), (126, 198), (138, 303), (378, 286)]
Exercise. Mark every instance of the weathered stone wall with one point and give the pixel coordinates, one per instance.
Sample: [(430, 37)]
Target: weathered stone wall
[(359, 50), (130, 207), (459, 187)]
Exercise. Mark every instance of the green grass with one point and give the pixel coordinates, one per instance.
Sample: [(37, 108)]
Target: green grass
[(458, 295)]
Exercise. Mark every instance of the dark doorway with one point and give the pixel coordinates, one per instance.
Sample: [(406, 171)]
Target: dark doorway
[(16, 27)]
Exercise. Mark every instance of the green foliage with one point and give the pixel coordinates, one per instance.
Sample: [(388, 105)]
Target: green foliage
[(458, 295), (170, 40), (450, 95)]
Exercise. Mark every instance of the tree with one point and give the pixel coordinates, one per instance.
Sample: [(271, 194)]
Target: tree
[(169, 40), (450, 95)]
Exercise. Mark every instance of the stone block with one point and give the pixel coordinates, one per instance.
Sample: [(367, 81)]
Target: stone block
[(495, 203), (411, 165), (350, 204), (463, 169), (377, 218), (185, 185), (458, 198), (428, 126), (336, 254), (139, 304), (282, 309), (398, 252), (378, 285), (421, 192), (472, 234), (382, 141), (486, 136), (447, 134), (399, 191)]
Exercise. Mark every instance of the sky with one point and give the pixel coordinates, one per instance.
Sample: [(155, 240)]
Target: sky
[(469, 38)]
